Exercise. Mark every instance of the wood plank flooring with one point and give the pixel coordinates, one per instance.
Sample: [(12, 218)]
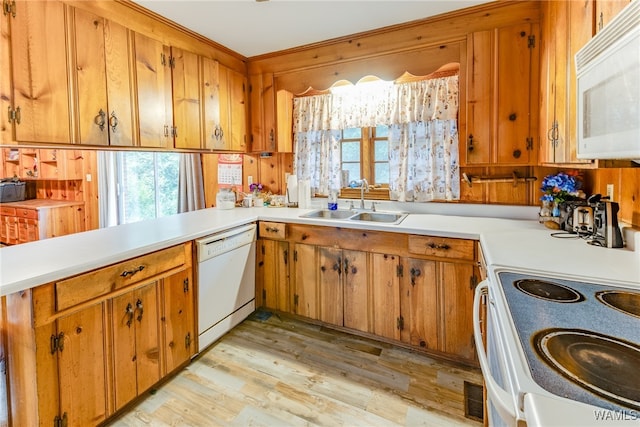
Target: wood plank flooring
[(283, 372)]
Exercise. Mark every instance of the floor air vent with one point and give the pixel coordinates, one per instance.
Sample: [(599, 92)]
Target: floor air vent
[(473, 401)]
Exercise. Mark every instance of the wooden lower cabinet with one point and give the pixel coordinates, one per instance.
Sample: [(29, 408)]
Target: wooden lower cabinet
[(178, 320), (80, 364), (135, 343), (410, 289), (419, 303), (306, 300), (387, 321), (272, 274)]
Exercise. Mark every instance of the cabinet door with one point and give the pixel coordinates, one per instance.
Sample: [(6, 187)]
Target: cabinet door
[(331, 271), (458, 286), (120, 98), (6, 97), (40, 78), (306, 281), (28, 230), (135, 343), (263, 118), (90, 72), (237, 110), (178, 319), (606, 10), (517, 101), (104, 100), (153, 77), (419, 303), (479, 97), (502, 95), (273, 274), (385, 284), (581, 27), (357, 309), (81, 366), (213, 137), (186, 99)]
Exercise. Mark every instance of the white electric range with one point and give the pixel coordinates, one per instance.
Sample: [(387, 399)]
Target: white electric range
[(559, 352)]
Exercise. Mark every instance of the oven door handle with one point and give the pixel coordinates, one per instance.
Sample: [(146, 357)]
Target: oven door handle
[(501, 399)]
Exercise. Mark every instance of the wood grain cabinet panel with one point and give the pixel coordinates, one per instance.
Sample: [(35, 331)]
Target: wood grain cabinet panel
[(153, 88), (101, 56), (178, 320), (566, 27), (135, 343), (40, 72), (385, 286), (419, 303), (186, 83), (272, 274), (502, 96)]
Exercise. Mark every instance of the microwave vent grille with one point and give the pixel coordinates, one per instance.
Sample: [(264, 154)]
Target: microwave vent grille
[(620, 25)]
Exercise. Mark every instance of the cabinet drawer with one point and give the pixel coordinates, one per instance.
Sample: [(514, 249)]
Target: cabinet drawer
[(272, 230), (7, 211), (442, 247), (99, 282), (26, 213)]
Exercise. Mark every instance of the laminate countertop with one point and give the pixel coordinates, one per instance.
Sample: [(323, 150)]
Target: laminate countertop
[(504, 241)]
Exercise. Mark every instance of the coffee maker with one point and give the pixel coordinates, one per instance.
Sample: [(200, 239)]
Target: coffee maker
[(606, 231)]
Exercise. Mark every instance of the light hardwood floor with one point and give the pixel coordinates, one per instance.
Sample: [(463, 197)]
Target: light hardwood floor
[(283, 372)]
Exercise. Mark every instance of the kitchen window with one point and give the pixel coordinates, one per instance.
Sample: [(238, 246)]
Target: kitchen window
[(137, 185), (365, 154), (147, 184)]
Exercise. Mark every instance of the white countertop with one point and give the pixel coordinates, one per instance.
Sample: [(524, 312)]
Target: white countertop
[(518, 243)]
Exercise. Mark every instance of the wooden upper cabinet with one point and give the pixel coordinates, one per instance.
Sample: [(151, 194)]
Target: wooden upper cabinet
[(502, 96), (263, 115), (6, 96), (187, 106), (40, 73), (566, 27), (213, 133), (606, 10), (103, 99), (237, 109), (271, 116), (153, 85)]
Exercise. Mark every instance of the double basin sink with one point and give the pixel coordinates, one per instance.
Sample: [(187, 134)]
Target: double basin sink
[(351, 215)]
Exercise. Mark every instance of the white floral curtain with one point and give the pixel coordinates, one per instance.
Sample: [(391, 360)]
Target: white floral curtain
[(423, 142)]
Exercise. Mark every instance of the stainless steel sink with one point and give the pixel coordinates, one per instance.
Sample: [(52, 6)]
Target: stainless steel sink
[(386, 217), (350, 215), (328, 214)]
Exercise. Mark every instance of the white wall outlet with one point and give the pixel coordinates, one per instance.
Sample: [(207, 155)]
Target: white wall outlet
[(610, 191), (88, 177)]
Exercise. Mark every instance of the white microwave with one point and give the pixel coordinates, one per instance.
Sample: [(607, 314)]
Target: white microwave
[(608, 73)]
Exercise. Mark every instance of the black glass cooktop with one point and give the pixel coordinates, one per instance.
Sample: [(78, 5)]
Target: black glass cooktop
[(581, 340)]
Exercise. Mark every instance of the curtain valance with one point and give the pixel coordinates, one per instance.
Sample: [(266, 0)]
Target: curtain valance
[(378, 103)]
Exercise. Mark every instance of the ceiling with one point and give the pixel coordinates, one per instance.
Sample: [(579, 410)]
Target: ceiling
[(253, 28)]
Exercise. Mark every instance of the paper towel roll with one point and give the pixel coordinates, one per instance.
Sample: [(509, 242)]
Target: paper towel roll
[(304, 194), (292, 189)]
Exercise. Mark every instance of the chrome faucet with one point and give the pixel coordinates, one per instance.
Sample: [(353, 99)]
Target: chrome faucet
[(364, 187)]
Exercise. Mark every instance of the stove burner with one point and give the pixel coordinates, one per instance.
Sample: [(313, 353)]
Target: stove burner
[(603, 365), (627, 302), (548, 291)]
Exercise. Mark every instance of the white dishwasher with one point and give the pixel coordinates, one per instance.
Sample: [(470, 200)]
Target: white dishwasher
[(226, 281)]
